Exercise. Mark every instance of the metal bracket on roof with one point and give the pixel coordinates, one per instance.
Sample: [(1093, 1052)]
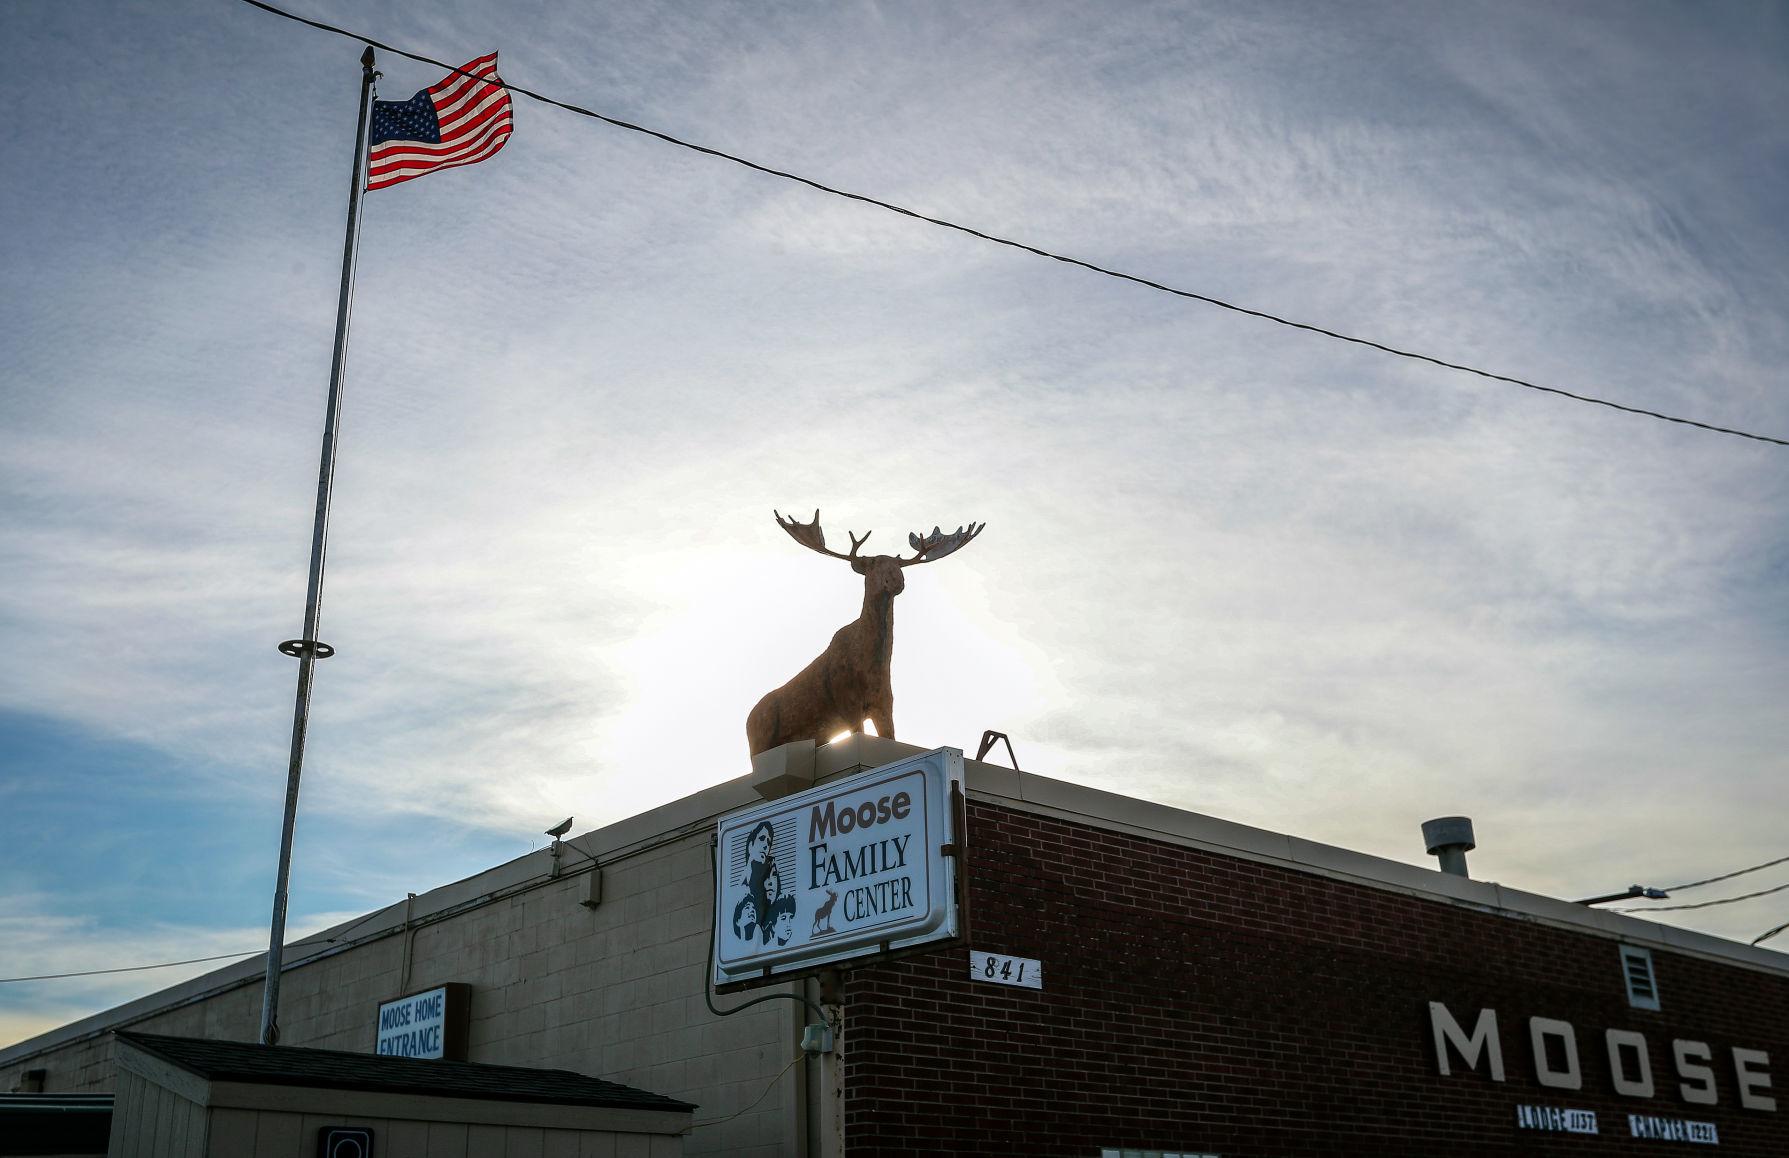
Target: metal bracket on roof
[(987, 743)]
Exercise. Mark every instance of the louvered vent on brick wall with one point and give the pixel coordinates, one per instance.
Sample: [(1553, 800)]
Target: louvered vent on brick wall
[(1636, 969)]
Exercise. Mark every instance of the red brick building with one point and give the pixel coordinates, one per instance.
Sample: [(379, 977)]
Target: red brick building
[(1198, 1001), (1206, 989)]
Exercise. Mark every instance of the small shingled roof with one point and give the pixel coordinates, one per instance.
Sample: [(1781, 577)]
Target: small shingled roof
[(237, 1061)]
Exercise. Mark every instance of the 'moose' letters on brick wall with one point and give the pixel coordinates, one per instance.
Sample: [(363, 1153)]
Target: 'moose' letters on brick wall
[(1201, 1001), (1554, 1048)]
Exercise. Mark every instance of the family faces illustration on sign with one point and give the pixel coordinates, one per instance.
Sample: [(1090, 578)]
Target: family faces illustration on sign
[(764, 904)]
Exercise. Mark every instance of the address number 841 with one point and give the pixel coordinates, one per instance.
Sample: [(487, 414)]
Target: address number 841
[(999, 969)]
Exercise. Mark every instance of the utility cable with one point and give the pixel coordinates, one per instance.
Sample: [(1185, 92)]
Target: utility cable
[(327, 945), (793, 1062), (1031, 249), (131, 968), (1729, 876), (312, 939), (1705, 904), (198, 960), (301, 943), (1762, 937), (579, 851)]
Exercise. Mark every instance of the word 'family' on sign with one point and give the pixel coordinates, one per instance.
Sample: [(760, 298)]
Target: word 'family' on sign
[(1553, 1047), (1555, 1119), (1673, 1129), (867, 860), (855, 866)]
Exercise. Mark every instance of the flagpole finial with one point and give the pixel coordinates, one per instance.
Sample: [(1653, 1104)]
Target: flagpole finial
[(366, 58)]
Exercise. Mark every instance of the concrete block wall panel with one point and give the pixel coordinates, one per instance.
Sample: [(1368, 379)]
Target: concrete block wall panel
[(614, 992), (1196, 1001)]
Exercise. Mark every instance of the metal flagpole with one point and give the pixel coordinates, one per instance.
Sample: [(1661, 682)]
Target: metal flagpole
[(309, 649)]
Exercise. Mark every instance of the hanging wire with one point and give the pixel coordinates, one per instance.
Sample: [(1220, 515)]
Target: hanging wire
[(132, 968), (1704, 904), (1729, 876), (308, 942), (1032, 249), (793, 1062)]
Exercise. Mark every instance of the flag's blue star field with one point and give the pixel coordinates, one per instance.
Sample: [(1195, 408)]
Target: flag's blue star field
[(411, 120)]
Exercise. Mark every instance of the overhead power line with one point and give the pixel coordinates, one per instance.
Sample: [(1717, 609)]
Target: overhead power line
[(1704, 904), (324, 945), (1728, 876), (132, 968), (306, 943), (196, 960), (1032, 249)]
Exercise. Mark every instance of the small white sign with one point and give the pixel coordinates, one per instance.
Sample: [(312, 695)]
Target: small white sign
[(858, 866), (1003, 970), (1556, 1119), (1672, 1129), (414, 1026)]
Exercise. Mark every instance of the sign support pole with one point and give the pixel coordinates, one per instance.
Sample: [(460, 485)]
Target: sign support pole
[(309, 649)]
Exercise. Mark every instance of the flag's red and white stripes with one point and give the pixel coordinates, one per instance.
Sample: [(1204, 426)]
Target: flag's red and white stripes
[(475, 122)]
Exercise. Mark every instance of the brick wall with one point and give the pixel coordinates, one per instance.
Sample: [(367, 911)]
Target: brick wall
[(1198, 1002)]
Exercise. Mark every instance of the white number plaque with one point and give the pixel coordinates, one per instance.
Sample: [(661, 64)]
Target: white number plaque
[(1003, 970)]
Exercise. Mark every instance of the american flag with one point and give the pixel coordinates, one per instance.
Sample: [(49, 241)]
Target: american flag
[(459, 121)]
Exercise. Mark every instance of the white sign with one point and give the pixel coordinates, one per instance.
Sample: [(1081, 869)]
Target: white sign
[(853, 867), (1556, 1119), (414, 1026), (1672, 1129), (1003, 970)]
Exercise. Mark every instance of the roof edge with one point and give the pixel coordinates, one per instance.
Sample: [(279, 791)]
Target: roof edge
[(1028, 791)]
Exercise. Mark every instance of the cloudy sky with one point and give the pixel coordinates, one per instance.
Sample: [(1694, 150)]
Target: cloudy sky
[(1228, 566)]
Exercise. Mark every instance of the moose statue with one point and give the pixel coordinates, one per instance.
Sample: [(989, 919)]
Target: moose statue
[(848, 682)]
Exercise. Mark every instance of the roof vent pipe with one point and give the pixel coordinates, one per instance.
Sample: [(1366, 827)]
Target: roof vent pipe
[(1449, 839)]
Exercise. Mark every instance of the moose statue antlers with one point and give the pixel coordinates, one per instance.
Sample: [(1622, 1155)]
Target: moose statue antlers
[(847, 682)]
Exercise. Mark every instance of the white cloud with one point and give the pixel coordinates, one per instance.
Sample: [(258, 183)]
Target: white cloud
[(1228, 566)]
